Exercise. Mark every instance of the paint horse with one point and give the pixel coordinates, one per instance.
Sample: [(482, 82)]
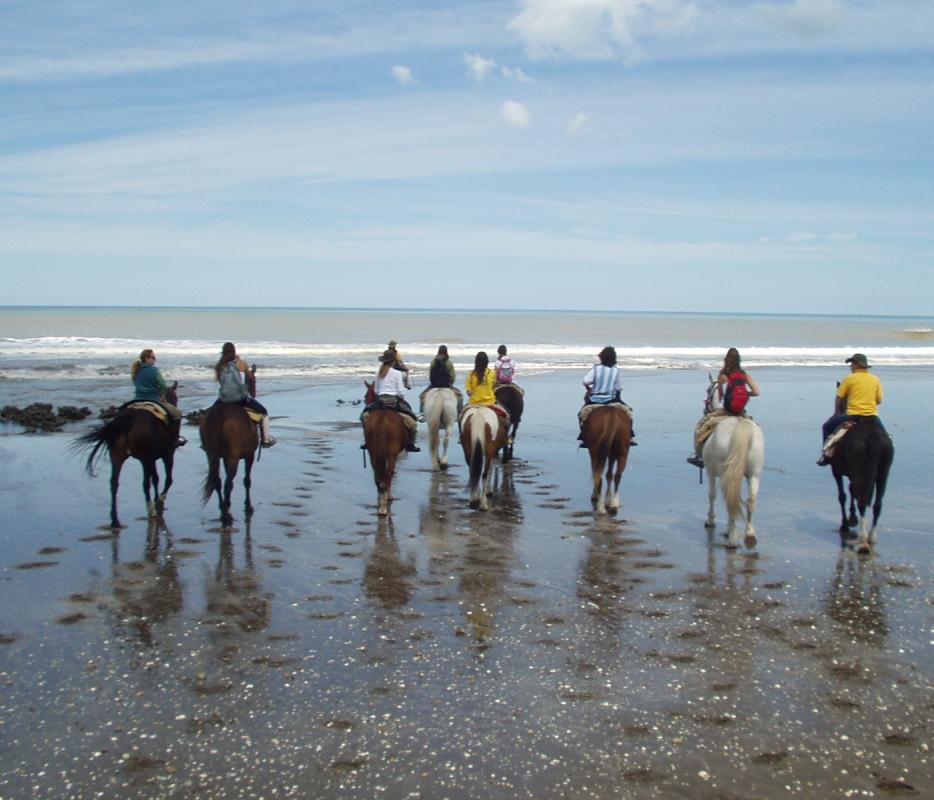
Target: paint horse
[(483, 433), (141, 434)]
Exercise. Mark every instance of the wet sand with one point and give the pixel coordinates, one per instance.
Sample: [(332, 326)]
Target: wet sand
[(531, 651)]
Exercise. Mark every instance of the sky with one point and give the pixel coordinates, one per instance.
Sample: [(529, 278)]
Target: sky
[(668, 155)]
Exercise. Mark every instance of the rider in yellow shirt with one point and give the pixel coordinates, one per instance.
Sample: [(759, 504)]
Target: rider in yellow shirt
[(858, 395), (480, 389)]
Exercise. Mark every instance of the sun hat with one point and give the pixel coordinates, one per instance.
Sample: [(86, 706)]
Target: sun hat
[(388, 357), (859, 359), (392, 342)]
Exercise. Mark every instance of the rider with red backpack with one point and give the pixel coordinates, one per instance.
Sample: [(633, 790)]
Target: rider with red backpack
[(734, 388)]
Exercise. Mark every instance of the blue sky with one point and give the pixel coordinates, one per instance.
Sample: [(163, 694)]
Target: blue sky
[(610, 154)]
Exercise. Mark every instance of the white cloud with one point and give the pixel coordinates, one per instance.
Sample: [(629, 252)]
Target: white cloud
[(514, 74), (403, 75), (597, 29), (478, 66), (515, 113), (577, 122), (804, 17)]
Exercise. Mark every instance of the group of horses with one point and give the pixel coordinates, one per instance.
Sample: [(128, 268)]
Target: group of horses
[(227, 435), (734, 452)]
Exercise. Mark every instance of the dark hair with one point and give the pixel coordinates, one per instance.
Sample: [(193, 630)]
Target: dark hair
[(501, 350), (731, 362), (480, 363), (608, 356), (228, 354), (443, 351)]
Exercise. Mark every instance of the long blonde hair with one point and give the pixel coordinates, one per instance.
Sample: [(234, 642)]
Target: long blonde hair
[(134, 370)]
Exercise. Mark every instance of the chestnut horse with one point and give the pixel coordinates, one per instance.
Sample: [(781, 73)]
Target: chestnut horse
[(483, 433), (138, 433), (607, 431), (385, 436), (228, 434), (510, 397), (864, 455)]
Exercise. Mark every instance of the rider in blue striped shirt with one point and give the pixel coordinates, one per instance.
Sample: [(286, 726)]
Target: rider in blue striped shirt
[(603, 384)]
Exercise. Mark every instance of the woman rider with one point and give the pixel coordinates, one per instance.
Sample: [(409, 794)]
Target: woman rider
[(731, 370), (231, 372), (390, 390), (441, 375), (149, 385)]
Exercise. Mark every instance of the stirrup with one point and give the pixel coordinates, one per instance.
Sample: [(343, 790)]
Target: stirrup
[(181, 441), (823, 461), (696, 461), (269, 442), (582, 445), (413, 448)]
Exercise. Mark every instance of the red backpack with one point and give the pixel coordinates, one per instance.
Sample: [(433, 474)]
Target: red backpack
[(736, 395)]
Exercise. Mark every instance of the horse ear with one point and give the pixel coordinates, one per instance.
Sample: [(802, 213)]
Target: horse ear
[(710, 377), (174, 386)]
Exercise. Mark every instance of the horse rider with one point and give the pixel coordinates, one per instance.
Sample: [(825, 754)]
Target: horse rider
[(390, 393), (150, 386), (233, 375), (603, 384), (399, 364), (441, 375), (858, 394), (731, 375)]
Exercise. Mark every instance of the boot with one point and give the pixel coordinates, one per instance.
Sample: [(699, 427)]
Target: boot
[(268, 440), (411, 447), (180, 441)]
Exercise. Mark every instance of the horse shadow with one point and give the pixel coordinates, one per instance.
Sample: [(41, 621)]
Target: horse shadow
[(235, 597)]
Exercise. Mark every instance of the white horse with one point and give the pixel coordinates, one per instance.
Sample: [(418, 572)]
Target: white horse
[(736, 449), (441, 415), (483, 433)]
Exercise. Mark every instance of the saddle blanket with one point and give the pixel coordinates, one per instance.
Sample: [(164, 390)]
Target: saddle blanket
[(588, 409), (410, 422), (153, 408), (502, 412), (831, 442)]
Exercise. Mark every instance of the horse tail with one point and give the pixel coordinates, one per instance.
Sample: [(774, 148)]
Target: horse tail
[(98, 438), (731, 480), (212, 481), (476, 462)]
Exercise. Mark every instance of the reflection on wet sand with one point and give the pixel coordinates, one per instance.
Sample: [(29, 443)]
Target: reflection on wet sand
[(387, 576), (147, 592), (235, 596), (855, 600)]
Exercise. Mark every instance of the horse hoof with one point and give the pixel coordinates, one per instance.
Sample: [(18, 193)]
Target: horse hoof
[(750, 542), (709, 525), (864, 549)]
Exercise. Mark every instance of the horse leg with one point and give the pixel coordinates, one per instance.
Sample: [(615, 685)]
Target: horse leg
[(841, 499), (596, 497), (752, 487), (434, 427), (116, 464), (230, 470), (853, 520), (247, 483), (445, 443), (612, 485), (711, 493), (150, 481), (168, 463), (488, 457)]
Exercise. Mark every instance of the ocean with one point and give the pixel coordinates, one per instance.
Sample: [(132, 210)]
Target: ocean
[(45, 347)]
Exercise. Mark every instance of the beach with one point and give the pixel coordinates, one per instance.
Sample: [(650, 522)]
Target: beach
[(535, 650)]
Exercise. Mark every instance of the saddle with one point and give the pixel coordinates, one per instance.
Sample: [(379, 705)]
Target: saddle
[(255, 416), (152, 407), (831, 442), (386, 402), (501, 412), (587, 410)]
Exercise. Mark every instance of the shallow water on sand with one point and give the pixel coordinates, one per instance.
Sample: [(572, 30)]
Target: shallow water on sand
[(531, 651)]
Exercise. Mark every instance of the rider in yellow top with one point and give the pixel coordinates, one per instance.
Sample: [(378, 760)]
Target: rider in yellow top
[(857, 397), (480, 382)]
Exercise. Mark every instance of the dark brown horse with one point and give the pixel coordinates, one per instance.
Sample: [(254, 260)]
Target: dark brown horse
[(607, 431), (386, 435), (137, 433), (228, 434), (864, 455), (510, 397)]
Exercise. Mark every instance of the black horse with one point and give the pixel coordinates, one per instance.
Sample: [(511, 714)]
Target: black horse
[(864, 455), (138, 433), (510, 397)]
